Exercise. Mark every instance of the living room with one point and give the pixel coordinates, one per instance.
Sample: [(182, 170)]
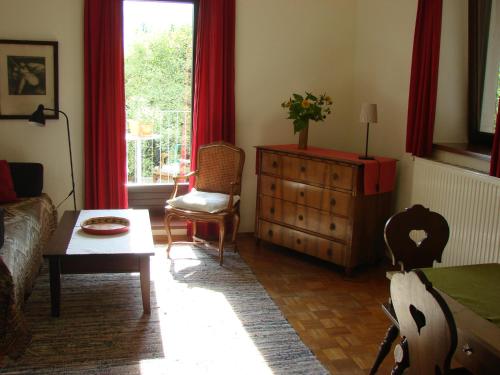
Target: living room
[(355, 51)]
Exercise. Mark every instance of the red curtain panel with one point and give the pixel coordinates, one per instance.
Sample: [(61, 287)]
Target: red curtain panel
[(105, 145), (424, 78), (495, 151), (213, 102)]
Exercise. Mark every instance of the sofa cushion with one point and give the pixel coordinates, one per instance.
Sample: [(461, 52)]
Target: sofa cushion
[(27, 178), (7, 192), (2, 232)]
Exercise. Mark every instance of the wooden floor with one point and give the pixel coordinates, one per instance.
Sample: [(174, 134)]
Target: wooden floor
[(337, 317)]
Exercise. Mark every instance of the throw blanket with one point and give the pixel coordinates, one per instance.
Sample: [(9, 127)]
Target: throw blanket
[(29, 223)]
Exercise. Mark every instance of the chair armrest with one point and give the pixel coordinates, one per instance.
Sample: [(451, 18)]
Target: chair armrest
[(234, 186), (179, 178)]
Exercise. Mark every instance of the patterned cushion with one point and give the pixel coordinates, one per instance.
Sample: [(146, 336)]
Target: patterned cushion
[(202, 201)]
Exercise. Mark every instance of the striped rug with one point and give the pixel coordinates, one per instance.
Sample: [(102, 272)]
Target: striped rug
[(205, 319)]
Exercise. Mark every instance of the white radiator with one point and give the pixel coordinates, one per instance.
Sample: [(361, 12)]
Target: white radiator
[(469, 201)]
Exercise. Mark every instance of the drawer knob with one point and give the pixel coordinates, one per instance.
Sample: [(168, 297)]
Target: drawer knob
[(301, 217), (302, 194), (333, 226), (333, 202), (335, 176), (299, 241), (467, 349), (275, 164), (329, 252), (273, 187), (270, 233), (302, 169), (272, 210)]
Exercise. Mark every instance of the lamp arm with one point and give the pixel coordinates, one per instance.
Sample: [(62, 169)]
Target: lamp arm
[(70, 155)]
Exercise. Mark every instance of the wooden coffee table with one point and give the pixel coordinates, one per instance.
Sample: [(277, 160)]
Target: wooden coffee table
[(72, 251)]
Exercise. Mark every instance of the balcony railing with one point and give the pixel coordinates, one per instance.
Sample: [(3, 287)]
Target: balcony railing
[(158, 148)]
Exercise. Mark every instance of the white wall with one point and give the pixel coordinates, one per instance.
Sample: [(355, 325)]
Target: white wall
[(451, 104), (384, 42), (282, 47), (62, 21)]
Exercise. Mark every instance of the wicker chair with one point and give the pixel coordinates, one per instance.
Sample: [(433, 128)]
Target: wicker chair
[(216, 193)]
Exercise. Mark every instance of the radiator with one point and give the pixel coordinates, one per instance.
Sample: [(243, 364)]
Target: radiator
[(469, 201)]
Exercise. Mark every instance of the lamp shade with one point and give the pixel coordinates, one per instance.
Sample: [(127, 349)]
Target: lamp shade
[(38, 116), (368, 113)]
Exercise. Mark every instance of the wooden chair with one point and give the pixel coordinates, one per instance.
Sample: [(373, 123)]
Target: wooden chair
[(426, 325), (216, 192), (415, 238)]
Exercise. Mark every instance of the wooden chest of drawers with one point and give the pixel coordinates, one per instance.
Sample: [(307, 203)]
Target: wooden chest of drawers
[(314, 203)]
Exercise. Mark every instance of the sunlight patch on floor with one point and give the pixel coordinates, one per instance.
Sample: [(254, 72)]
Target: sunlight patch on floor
[(201, 333)]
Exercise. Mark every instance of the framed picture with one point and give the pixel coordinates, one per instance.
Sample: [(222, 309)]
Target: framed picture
[(28, 77)]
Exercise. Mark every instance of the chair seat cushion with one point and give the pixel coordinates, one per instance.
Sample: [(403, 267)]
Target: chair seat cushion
[(202, 201)]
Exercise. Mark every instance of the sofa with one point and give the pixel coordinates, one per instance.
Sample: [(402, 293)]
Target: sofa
[(27, 220)]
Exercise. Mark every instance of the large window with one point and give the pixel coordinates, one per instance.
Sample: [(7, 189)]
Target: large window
[(158, 43)]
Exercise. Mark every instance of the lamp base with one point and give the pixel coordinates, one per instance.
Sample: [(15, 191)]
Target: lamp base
[(363, 157)]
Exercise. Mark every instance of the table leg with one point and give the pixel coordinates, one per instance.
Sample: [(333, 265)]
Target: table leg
[(145, 280), (55, 285)]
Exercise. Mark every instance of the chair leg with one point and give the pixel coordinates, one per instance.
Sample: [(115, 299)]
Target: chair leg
[(236, 224), (222, 233), (168, 219), (385, 346), (193, 227)]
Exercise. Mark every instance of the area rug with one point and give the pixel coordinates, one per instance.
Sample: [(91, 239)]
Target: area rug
[(206, 319)]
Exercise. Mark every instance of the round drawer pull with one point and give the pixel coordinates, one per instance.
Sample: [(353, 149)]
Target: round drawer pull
[(275, 164), (301, 217), (273, 187), (335, 176), (302, 194), (302, 169), (333, 226), (272, 210), (333, 202), (299, 241), (270, 233)]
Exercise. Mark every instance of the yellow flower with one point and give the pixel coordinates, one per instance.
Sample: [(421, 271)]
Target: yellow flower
[(305, 103)]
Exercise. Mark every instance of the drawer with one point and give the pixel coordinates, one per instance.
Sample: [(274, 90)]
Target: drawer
[(324, 199), (305, 243), (303, 217), (328, 174)]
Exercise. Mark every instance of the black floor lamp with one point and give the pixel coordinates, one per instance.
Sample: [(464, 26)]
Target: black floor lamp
[(39, 117)]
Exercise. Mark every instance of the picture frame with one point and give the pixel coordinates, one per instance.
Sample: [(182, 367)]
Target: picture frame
[(28, 77)]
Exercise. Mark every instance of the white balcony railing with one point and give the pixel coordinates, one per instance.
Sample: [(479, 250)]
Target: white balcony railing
[(158, 148)]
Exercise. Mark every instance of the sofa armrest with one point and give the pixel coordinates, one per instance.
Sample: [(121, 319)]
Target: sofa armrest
[(27, 178), (2, 230)]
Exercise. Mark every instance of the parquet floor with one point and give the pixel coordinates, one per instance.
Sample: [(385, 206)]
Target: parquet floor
[(339, 318)]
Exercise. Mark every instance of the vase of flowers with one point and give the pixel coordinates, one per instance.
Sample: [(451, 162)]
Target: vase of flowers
[(301, 109)]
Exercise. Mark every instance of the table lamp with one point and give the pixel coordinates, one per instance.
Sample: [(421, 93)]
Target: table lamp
[(368, 114)]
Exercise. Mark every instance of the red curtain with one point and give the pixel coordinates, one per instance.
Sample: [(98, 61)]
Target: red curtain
[(495, 151), (213, 102), (105, 146), (424, 78)]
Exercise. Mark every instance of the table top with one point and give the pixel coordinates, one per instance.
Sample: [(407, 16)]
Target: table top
[(476, 287), (69, 239)]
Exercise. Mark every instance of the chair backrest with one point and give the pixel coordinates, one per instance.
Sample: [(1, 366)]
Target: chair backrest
[(219, 164), (426, 321), (400, 237)]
